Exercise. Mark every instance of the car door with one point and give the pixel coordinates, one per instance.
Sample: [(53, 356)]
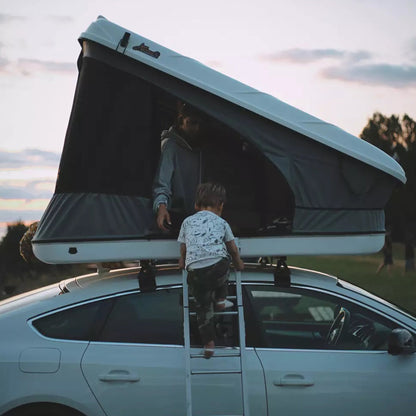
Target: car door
[(136, 365), (313, 369)]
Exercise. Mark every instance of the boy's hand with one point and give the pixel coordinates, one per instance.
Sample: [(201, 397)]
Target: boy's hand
[(235, 255), (239, 265), (182, 256)]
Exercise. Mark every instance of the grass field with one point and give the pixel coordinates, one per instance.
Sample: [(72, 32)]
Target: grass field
[(395, 285)]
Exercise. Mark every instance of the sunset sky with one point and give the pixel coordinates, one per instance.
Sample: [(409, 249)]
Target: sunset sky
[(340, 60)]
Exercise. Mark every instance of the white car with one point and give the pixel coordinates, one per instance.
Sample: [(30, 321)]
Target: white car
[(98, 346)]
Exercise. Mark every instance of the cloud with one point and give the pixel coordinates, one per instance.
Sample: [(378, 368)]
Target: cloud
[(29, 66), (7, 18), (60, 18), (26, 190), (3, 63), (26, 66), (304, 56), (350, 66), (10, 216), (14, 209), (411, 50), (374, 74), (28, 157), (20, 197)]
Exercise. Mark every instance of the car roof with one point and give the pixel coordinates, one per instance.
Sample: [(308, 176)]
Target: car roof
[(127, 279), (124, 280), (107, 283)]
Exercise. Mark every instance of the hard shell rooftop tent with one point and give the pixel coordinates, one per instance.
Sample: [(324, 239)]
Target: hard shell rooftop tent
[(275, 161)]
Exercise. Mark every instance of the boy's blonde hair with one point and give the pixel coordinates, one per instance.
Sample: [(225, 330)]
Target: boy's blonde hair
[(210, 194)]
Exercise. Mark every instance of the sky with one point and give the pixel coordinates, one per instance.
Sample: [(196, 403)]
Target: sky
[(339, 60)]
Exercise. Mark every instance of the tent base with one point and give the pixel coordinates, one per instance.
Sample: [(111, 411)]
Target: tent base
[(128, 250)]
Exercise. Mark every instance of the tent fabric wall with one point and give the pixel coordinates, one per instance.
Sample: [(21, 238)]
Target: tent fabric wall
[(96, 217), (104, 183)]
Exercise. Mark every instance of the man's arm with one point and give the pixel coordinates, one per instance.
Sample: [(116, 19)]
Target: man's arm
[(162, 186), (235, 254)]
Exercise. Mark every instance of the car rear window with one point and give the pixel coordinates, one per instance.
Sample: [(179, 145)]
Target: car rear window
[(145, 318), (78, 323)]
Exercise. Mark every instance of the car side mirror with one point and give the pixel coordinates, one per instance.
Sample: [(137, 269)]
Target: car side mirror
[(401, 342)]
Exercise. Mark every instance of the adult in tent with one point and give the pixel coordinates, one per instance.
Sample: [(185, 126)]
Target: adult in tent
[(180, 169)]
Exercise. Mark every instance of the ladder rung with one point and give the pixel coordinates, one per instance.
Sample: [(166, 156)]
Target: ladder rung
[(216, 372), (218, 313), (226, 313), (217, 355), (228, 297), (239, 353)]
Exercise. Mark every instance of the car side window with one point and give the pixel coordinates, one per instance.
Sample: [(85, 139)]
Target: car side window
[(76, 323), (145, 318), (305, 319)]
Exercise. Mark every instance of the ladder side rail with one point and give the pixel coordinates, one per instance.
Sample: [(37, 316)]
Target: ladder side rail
[(187, 344), (242, 342)]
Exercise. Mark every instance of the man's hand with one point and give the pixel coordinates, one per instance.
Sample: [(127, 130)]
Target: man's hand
[(181, 263), (163, 217)]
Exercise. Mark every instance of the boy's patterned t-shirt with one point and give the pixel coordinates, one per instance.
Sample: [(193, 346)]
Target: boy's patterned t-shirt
[(204, 235)]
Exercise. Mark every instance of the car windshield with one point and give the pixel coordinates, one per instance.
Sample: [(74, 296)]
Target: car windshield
[(18, 301), (370, 295)]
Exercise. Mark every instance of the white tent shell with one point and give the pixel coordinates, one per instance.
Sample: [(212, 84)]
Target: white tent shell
[(66, 232)]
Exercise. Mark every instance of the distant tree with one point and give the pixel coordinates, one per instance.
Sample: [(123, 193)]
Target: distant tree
[(19, 269), (397, 137), (9, 246)]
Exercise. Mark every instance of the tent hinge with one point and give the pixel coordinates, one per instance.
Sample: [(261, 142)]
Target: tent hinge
[(147, 276), (282, 273)]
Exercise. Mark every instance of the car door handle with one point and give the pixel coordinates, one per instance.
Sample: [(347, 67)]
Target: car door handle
[(119, 375), (294, 380)]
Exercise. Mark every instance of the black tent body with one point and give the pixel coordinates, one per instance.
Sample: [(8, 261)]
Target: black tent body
[(283, 186)]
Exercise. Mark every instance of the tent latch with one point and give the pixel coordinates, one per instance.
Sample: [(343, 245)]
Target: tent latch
[(124, 41)]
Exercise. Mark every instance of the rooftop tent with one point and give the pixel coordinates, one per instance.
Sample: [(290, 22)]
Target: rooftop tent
[(295, 184)]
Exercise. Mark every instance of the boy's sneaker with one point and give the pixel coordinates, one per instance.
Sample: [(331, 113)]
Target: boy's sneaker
[(223, 304)]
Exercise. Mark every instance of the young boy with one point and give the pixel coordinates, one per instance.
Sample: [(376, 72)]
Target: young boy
[(207, 243)]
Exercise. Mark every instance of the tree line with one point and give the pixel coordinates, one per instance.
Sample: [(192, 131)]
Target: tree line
[(16, 272), (397, 137)]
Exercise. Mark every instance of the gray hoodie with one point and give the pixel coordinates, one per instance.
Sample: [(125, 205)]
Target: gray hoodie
[(178, 174)]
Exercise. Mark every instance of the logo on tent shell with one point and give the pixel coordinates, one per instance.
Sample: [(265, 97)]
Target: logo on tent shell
[(145, 49)]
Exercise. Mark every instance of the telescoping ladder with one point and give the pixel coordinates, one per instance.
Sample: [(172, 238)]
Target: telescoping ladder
[(190, 373)]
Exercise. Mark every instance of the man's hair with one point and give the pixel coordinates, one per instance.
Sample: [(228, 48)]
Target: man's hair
[(210, 194), (186, 110)]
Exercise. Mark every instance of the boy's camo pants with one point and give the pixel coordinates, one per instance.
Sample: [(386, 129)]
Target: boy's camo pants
[(207, 285)]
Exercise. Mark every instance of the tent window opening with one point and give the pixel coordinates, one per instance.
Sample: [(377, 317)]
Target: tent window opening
[(259, 199), (113, 147)]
